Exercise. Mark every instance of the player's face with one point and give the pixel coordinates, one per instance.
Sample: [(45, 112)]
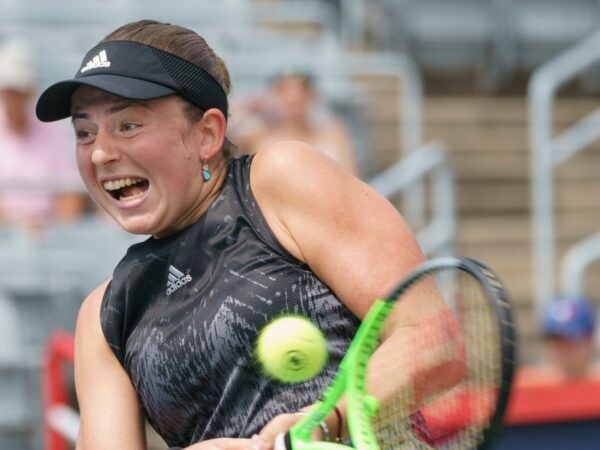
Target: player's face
[(138, 160)]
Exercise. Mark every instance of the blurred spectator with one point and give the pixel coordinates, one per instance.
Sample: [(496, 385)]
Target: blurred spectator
[(292, 109), (569, 326), (39, 181)]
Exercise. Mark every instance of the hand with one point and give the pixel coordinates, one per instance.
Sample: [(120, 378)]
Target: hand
[(228, 444), (280, 424)]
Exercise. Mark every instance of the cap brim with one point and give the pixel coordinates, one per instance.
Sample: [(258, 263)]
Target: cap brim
[(55, 102)]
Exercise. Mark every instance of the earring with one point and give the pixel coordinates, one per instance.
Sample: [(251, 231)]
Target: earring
[(206, 174)]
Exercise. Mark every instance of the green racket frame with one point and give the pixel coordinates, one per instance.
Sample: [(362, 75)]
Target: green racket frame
[(350, 379)]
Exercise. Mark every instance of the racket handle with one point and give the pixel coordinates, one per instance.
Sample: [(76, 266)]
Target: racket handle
[(282, 442)]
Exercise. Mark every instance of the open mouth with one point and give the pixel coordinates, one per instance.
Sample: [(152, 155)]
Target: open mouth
[(126, 189)]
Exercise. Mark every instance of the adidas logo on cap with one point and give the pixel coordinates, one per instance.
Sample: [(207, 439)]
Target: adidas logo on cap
[(176, 279), (100, 60)]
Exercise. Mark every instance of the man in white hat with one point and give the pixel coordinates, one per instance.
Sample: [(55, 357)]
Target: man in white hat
[(38, 176)]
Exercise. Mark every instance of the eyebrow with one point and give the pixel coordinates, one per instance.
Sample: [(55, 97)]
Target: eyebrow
[(115, 109)]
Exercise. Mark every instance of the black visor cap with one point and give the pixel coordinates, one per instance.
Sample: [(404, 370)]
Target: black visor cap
[(135, 71)]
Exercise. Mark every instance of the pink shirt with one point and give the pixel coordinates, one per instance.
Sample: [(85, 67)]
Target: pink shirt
[(33, 166)]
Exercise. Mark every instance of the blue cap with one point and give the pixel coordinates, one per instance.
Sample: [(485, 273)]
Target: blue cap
[(571, 318)]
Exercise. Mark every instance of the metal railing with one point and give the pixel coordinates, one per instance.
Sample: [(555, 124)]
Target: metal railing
[(431, 160), (408, 111), (426, 161), (548, 151), (575, 262)]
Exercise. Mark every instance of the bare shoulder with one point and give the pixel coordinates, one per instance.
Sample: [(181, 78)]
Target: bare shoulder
[(294, 182), (88, 319), (90, 308), (284, 156), (286, 170), (292, 174)]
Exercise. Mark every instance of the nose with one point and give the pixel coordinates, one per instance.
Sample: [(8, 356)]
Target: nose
[(105, 150)]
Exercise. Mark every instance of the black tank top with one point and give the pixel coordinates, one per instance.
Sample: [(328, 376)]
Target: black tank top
[(182, 315)]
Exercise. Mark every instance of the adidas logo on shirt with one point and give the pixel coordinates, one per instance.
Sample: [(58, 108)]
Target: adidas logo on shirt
[(176, 279), (100, 60)]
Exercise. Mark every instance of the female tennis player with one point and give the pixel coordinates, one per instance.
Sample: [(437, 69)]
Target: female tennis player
[(233, 243)]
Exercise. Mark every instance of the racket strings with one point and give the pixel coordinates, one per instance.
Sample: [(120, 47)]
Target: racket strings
[(479, 390), (455, 417)]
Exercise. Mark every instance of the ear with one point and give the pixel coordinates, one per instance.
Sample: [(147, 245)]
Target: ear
[(212, 128)]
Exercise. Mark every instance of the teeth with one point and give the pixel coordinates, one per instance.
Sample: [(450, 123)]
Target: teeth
[(113, 185), (133, 197)]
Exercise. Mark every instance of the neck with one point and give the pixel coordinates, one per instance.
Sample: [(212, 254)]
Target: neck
[(214, 185), (208, 194)]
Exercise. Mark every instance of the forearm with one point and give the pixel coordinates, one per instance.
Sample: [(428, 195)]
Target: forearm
[(418, 361)]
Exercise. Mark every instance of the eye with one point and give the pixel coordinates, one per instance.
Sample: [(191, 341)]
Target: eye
[(84, 136), (128, 127)]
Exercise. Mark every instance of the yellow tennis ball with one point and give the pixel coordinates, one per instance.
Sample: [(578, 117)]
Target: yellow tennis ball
[(291, 349)]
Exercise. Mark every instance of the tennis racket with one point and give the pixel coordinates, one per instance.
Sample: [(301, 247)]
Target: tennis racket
[(464, 414)]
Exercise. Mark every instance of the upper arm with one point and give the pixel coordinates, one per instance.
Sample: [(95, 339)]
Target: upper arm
[(348, 234), (110, 415)]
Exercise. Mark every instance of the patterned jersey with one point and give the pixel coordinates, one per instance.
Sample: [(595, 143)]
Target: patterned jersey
[(182, 315)]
